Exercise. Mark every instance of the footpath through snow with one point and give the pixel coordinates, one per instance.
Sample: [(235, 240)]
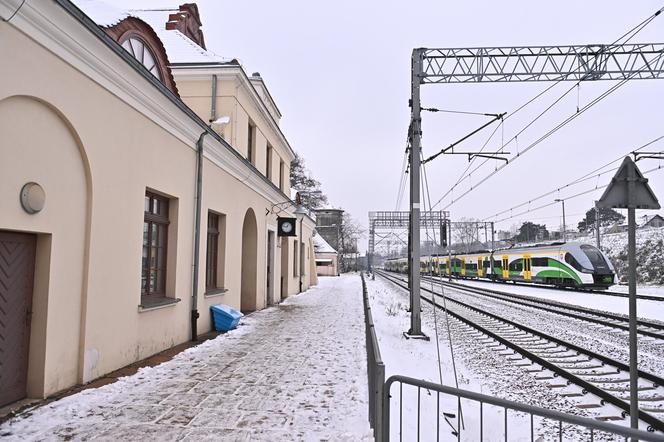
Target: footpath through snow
[(295, 371)]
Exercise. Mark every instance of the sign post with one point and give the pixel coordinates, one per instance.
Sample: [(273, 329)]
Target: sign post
[(630, 190)]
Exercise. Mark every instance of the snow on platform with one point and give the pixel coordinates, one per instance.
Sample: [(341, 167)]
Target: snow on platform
[(295, 371)]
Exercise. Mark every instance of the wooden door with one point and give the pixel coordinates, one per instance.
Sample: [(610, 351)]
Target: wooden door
[(17, 266)]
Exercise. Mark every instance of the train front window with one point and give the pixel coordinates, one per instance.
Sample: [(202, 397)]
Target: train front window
[(569, 259), (595, 256)]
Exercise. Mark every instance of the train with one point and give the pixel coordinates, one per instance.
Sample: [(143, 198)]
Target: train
[(560, 264)]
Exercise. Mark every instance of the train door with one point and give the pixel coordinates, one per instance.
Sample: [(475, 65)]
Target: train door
[(463, 266), (480, 267), (527, 269), (506, 270)]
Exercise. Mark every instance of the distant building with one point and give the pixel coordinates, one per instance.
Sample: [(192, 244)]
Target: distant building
[(327, 259), (651, 221), (328, 225)]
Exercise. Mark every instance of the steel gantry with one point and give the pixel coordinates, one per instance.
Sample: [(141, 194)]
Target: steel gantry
[(510, 64)]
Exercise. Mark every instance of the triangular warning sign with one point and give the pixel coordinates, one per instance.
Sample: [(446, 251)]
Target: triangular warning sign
[(618, 194)]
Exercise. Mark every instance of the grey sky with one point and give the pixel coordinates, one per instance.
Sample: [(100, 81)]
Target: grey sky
[(340, 73)]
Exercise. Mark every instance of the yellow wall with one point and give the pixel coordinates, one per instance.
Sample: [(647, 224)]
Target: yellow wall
[(95, 156)]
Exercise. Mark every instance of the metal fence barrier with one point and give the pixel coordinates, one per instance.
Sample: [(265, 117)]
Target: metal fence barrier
[(375, 368), (506, 420)]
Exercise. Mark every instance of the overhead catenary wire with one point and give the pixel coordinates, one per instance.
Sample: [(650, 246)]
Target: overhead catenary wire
[(551, 132), (626, 36), (595, 173), (576, 195)]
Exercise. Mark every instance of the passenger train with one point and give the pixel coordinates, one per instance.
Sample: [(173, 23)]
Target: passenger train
[(571, 264)]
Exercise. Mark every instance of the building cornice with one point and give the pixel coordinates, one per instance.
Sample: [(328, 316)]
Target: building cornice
[(203, 71), (64, 30)]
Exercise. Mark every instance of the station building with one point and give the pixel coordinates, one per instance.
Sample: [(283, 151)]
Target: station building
[(141, 181)]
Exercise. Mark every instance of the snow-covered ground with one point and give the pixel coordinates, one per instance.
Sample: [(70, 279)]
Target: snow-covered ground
[(478, 368), (645, 308), (295, 371)]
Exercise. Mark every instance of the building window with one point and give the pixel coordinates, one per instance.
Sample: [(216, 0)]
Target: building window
[(216, 252), (211, 262), (155, 240), (268, 162), (302, 266), (250, 142), (281, 175), (295, 260)]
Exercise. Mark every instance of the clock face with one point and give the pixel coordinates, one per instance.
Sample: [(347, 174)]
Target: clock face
[(142, 53), (287, 227)]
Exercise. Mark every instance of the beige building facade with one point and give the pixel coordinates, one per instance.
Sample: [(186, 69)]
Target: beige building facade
[(103, 274)]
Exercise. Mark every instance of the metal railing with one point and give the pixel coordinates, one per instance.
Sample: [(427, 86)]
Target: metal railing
[(506, 420), (375, 368)]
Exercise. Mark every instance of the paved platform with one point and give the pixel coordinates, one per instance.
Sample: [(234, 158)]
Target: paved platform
[(295, 371)]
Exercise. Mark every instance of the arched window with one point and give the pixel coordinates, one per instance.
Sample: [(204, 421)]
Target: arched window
[(141, 52)]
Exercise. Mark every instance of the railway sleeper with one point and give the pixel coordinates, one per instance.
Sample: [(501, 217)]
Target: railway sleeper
[(595, 380), (655, 397), (559, 359), (594, 373), (616, 387), (573, 394), (591, 405), (544, 345), (610, 417), (579, 365)]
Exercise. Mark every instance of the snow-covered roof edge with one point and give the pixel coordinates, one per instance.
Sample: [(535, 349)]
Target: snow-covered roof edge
[(322, 246)]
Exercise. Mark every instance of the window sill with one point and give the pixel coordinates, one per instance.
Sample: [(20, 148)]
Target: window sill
[(210, 293), (148, 304)]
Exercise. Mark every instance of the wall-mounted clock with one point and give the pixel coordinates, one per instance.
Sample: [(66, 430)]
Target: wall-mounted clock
[(286, 226)]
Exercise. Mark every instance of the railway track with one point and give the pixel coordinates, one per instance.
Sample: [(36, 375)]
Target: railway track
[(561, 364), (571, 289), (621, 322)]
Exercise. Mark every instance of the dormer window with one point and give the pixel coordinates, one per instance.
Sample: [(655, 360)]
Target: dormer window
[(141, 52)]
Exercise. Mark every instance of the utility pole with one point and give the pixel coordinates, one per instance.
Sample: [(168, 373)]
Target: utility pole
[(597, 224), (564, 226), (629, 190), (414, 228), (493, 247)]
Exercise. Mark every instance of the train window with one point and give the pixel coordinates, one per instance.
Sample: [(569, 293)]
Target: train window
[(497, 263), (569, 259), (595, 257), (487, 264), (516, 266), (540, 262)]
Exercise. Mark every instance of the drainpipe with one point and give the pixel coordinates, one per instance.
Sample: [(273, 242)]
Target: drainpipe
[(197, 237), (213, 99)]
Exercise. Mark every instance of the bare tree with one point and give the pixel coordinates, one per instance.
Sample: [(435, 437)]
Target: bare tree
[(351, 233), (466, 232)]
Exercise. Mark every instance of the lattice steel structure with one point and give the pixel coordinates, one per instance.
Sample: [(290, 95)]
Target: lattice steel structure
[(400, 220), (543, 63), (510, 64)]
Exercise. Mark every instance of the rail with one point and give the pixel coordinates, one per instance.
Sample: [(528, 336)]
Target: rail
[(518, 421), (591, 387), (375, 368)]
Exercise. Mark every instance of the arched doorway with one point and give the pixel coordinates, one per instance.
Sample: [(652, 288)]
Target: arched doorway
[(249, 262), (43, 147)]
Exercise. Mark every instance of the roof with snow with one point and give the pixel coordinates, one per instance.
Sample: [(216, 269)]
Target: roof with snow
[(322, 246), (646, 219), (179, 47), (103, 14)]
